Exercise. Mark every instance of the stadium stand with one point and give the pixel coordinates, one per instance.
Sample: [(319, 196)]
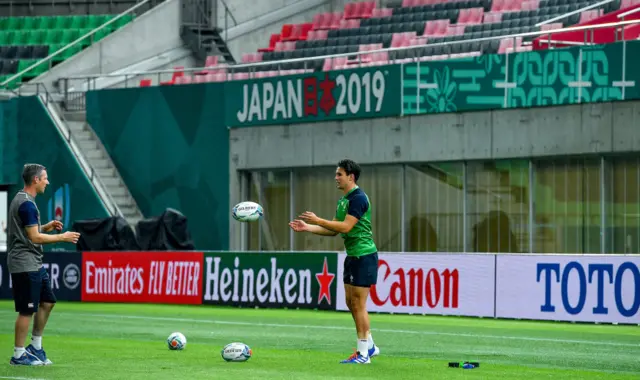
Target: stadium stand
[(362, 27), (26, 40)]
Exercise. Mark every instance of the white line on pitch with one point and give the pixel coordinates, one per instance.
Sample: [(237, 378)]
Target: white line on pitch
[(320, 327), (20, 378)]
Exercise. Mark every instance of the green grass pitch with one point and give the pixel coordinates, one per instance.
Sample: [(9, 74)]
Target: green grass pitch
[(125, 341)]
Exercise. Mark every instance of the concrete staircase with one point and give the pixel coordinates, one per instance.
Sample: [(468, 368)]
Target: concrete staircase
[(98, 157)]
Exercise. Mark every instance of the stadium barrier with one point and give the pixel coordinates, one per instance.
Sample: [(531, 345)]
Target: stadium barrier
[(575, 288)]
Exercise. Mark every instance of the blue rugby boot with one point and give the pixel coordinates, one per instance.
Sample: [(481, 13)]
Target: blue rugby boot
[(40, 354), (26, 359)]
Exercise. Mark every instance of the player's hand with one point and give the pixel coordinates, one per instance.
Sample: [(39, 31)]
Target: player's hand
[(299, 226), (70, 237), (309, 217), (56, 225)]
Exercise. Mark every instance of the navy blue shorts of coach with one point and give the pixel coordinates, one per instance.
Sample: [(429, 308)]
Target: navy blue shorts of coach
[(31, 288), (361, 271)]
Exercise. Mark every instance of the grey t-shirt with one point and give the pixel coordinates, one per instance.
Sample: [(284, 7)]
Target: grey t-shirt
[(23, 255)]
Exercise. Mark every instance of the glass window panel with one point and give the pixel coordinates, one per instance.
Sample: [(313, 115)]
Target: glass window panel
[(272, 189), (498, 206), (253, 229), (434, 208), (623, 232), (567, 206), (315, 190)]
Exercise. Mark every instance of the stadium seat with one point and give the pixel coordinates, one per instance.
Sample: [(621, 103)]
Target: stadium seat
[(400, 23), (25, 40)]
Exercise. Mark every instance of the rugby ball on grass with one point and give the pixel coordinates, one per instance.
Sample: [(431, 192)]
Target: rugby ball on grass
[(236, 352), (247, 211)]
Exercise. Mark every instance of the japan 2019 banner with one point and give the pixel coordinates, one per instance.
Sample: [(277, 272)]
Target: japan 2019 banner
[(444, 284), (599, 288), (153, 277)]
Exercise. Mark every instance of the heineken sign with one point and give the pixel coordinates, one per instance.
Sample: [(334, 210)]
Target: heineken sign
[(329, 95), (271, 280)]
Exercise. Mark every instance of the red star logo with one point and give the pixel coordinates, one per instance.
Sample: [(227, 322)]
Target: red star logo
[(325, 279)]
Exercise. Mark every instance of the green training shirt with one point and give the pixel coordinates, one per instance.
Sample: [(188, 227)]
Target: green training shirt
[(359, 241)]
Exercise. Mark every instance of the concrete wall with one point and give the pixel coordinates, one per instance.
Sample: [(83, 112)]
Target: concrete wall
[(148, 35), (520, 133)]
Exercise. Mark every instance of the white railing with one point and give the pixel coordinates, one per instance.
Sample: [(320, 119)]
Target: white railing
[(596, 5), (231, 68), (71, 44)]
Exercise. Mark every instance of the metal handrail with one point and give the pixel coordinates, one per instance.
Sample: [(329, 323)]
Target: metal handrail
[(404, 48), (574, 12), (627, 13), (90, 33), (89, 170)]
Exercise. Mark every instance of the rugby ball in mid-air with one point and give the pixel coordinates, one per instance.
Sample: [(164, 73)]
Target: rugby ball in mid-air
[(236, 352), (247, 212), (176, 341)]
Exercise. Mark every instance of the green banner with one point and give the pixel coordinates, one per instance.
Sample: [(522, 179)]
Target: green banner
[(599, 73), (332, 95), (271, 280)]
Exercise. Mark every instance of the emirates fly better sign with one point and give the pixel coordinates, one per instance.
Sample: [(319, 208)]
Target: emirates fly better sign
[(320, 96)]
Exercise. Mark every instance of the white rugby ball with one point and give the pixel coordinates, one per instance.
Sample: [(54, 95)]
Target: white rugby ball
[(176, 341), (236, 352), (247, 211)]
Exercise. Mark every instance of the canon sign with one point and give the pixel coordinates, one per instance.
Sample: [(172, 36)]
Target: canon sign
[(416, 287), (430, 284), (574, 288)]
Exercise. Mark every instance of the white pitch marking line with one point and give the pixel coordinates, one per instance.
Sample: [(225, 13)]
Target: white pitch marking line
[(320, 327), (20, 378)]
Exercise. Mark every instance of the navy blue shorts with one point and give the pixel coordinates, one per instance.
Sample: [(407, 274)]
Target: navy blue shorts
[(361, 271), (31, 288)]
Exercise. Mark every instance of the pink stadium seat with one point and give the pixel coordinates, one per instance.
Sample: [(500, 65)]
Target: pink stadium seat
[(185, 79), (200, 79), (629, 3), (509, 44), (552, 26), (530, 5), (436, 28), (145, 82), (471, 16), (285, 46), (418, 41), (590, 14), (335, 20), (455, 30), (402, 39), (349, 24), (318, 35), (492, 17), (381, 12)]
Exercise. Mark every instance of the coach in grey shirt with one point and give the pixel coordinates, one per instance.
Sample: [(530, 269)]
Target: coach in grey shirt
[(31, 285)]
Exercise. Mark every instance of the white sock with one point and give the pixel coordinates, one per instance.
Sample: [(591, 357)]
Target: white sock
[(362, 347), (37, 342), (17, 352), (370, 340)]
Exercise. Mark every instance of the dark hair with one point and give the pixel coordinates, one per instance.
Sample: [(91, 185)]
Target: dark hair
[(31, 170), (350, 167)]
